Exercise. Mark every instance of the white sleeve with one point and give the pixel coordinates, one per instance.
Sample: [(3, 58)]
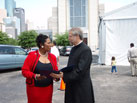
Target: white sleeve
[(128, 54)]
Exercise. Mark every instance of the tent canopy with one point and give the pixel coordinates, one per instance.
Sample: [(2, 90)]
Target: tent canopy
[(126, 12), (116, 31)]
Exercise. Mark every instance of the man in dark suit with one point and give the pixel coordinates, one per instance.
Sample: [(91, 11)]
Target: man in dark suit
[(79, 87)]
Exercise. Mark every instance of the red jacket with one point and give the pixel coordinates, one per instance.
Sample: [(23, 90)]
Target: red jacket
[(30, 64)]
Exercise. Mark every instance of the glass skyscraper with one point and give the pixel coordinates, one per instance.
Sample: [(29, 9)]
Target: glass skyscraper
[(20, 13), (13, 22), (9, 6), (78, 13)]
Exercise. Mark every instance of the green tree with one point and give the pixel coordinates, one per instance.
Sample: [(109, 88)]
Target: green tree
[(62, 39), (12, 41), (27, 39), (3, 38)]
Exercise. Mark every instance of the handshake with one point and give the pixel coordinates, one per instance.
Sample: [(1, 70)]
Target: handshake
[(56, 75)]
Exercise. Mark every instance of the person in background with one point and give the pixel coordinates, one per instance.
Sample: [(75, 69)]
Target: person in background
[(55, 51), (39, 87), (79, 87), (132, 58), (113, 64)]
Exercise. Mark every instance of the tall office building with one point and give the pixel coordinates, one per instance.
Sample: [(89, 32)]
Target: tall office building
[(3, 14), (78, 13), (13, 24), (82, 14), (45, 32), (9, 6), (20, 13), (2, 27), (29, 25), (52, 21), (11, 31), (72, 13)]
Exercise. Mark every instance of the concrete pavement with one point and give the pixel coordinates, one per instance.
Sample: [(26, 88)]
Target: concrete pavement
[(108, 88), (115, 88)]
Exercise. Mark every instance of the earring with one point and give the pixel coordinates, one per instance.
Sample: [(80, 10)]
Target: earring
[(42, 46)]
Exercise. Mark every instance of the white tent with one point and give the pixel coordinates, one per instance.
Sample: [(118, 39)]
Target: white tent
[(117, 30)]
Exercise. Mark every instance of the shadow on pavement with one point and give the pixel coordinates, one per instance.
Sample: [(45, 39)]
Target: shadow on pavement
[(9, 70)]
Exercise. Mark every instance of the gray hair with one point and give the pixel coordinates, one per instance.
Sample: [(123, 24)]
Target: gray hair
[(77, 31)]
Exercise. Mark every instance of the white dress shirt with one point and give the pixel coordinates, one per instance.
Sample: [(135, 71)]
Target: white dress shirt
[(55, 51), (132, 52)]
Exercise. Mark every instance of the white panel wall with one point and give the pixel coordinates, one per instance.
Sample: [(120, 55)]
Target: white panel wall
[(62, 17), (93, 24)]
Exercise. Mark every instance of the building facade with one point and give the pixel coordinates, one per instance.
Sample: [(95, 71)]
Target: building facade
[(20, 13), (3, 14), (12, 32), (52, 21), (78, 13), (2, 27), (13, 24), (45, 32), (101, 9), (82, 14), (29, 25), (9, 6)]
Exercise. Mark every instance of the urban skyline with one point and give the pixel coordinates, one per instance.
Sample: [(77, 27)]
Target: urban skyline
[(46, 5)]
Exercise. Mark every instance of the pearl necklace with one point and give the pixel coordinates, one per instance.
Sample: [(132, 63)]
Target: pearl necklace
[(45, 55)]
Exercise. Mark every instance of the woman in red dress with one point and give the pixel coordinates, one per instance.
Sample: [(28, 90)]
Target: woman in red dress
[(39, 88)]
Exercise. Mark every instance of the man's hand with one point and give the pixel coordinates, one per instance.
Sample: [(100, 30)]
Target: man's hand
[(54, 75)]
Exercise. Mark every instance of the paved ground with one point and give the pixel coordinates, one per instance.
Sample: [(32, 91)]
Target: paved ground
[(115, 88), (108, 88)]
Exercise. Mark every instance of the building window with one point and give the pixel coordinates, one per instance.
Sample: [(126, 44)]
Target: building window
[(78, 13), (71, 2), (16, 11)]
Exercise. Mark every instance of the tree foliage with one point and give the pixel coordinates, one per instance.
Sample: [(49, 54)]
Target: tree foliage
[(27, 39), (12, 41), (62, 39), (3, 38)]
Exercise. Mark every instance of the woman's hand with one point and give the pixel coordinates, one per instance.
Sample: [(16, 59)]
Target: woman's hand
[(54, 75), (40, 77)]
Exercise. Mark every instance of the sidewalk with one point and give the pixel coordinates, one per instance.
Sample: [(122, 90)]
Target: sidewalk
[(108, 88)]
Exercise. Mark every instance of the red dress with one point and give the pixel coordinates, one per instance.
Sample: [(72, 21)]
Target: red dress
[(37, 94)]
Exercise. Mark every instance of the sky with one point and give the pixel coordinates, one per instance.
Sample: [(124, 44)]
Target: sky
[(115, 4), (38, 11)]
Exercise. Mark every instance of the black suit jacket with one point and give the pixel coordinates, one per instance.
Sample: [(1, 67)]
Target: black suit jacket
[(79, 87)]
